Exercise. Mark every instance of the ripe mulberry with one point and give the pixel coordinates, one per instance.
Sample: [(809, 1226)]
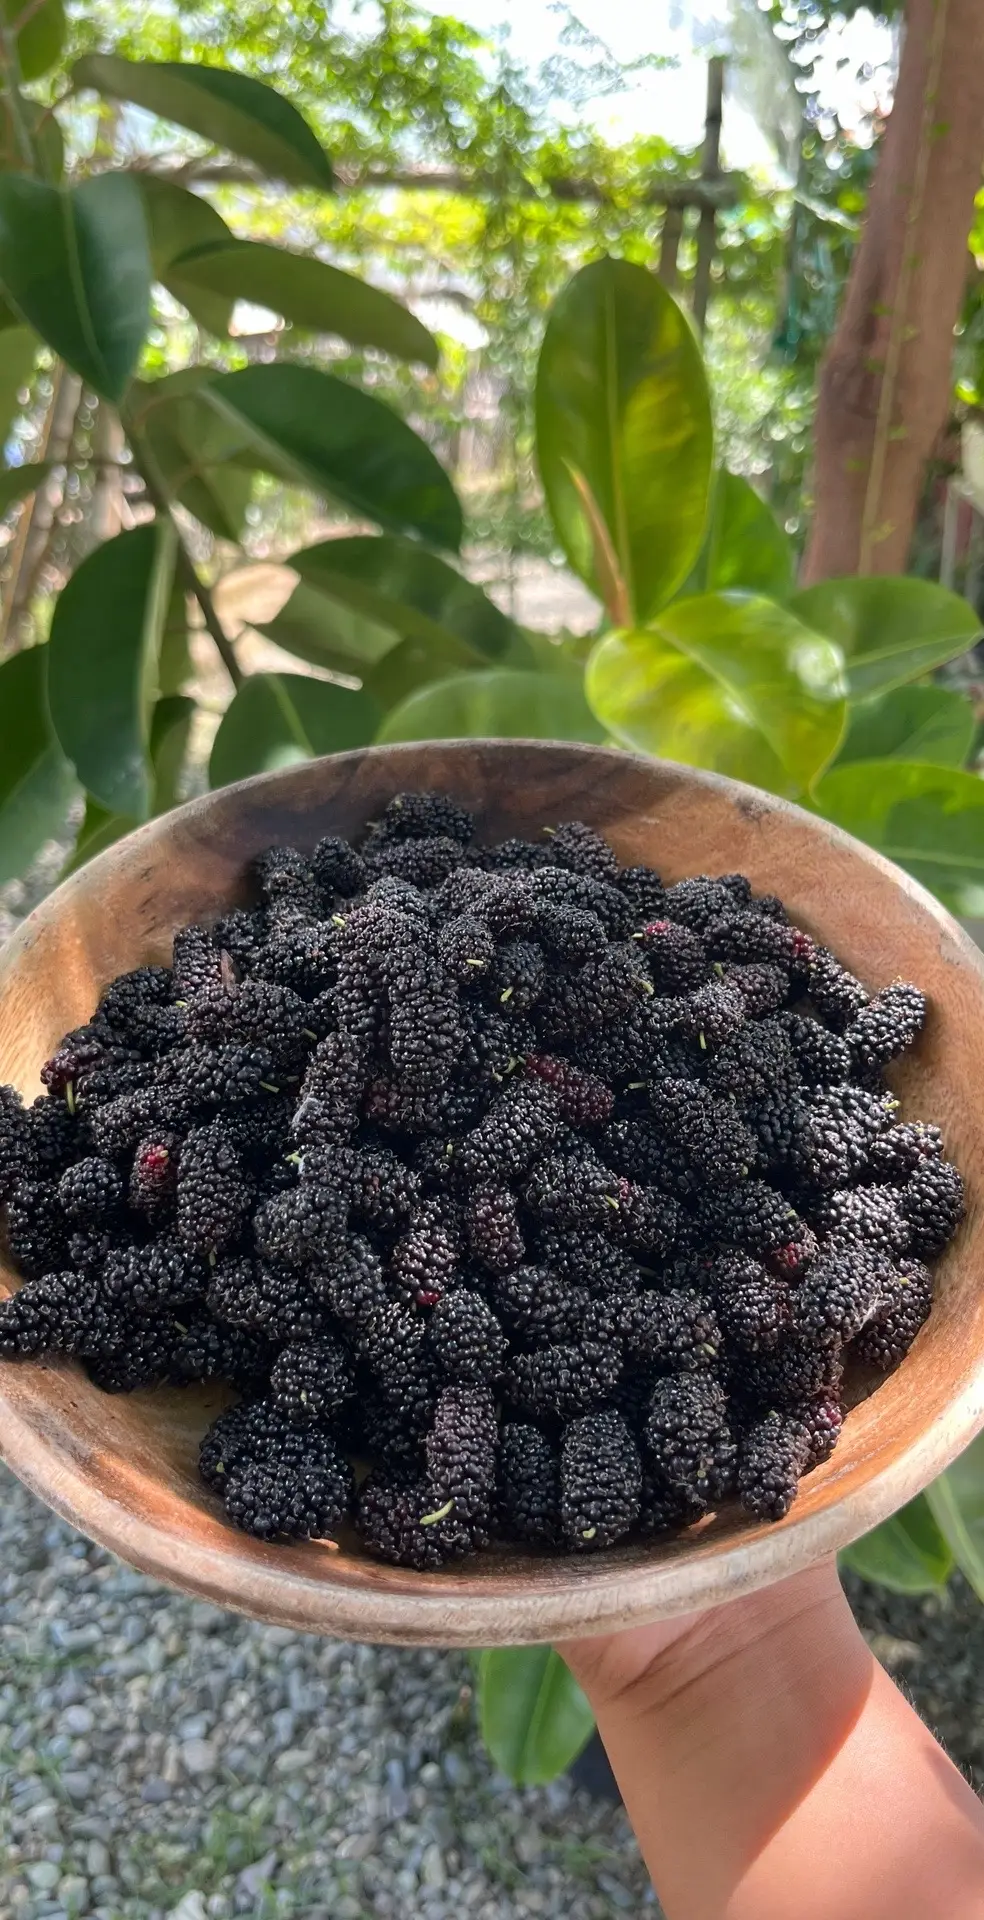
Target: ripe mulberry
[(773, 1454), (886, 1026), (886, 1339), (466, 1340), (213, 1195), (932, 1201), (528, 1486), (600, 1482), (689, 1440)]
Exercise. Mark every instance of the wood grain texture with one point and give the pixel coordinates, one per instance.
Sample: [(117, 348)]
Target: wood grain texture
[(122, 1469)]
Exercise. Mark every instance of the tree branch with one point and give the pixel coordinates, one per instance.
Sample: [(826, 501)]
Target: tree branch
[(725, 191)]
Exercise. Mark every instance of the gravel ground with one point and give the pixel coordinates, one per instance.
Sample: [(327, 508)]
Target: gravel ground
[(161, 1758)]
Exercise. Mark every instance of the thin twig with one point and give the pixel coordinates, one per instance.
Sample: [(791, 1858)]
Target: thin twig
[(157, 494)]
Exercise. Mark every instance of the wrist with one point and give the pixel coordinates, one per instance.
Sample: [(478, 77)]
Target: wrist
[(790, 1635)]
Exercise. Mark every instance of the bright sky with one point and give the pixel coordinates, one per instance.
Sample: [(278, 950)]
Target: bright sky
[(672, 102)]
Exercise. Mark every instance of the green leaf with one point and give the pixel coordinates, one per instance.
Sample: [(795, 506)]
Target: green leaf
[(624, 436), (46, 135), (910, 723), (105, 638), (18, 353), (178, 222), (277, 719), (319, 629), (928, 819), (744, 547), (41, 38), (75, 265), (504, 704), (889, 629), (17, 482), (170, 728), (36, 783), (230, 110), (192, 446), (957, 1503), (315, 431), (174, 665), (533, 1716), (907, 1554), (310, 293), (410, 593), (724, 680)]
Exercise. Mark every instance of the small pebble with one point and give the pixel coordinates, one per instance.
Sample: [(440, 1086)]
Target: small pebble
[(198, 1756)]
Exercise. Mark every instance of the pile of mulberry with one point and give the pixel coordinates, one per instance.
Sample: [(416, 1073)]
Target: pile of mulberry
[(521, 1196)]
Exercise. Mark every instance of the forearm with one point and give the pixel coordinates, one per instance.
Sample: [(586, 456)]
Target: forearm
[(772, 1772)]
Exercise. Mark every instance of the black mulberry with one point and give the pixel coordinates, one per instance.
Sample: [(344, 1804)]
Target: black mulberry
[(600, 1481)]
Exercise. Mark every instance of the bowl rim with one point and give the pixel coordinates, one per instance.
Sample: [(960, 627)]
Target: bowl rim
[(441, 1609)]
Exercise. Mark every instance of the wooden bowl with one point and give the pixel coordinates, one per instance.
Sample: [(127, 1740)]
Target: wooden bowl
[(123, 1469)]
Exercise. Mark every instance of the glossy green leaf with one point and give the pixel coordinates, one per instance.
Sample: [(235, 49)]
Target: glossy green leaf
[(41, 36), (75, 265), (957, 1502), (311, 294), (16, 483), (277, 719), (315, 431), (624, 436), (744, 547), (408, 592), (232, 110), (178, 222), (890, 629), (503, 704), (36, 781), (170, 728), (724, 680), (533, 1716), (907, 1554), (929, 819), (46, 137), (170, 731), (191, 445), (910, 723), (18, 353), (105, 637), (320, 629)]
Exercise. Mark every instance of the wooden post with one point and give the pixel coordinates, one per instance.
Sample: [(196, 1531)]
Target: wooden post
[(669, 246), (710, 168)]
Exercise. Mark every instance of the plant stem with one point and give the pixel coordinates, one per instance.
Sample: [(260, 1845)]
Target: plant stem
[(157, 494)]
